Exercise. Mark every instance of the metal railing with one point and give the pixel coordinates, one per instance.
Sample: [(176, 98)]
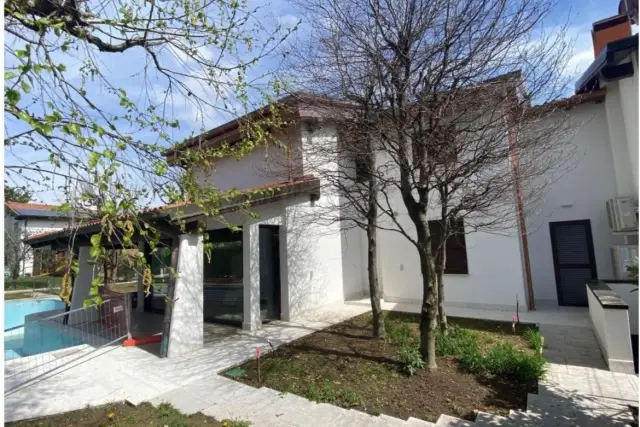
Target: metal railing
[(49, 341)]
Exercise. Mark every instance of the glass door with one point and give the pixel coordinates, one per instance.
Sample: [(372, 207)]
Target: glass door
[(269, 272)]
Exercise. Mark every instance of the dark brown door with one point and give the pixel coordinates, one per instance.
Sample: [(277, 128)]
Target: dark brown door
[(573, 260)]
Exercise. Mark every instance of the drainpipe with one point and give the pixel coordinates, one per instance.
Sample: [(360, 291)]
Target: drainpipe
[(522, 224)]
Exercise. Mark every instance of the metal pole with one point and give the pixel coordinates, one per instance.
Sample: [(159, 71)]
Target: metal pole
[(127, 313)]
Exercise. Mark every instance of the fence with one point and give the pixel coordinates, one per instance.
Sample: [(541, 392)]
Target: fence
[(50, 340)]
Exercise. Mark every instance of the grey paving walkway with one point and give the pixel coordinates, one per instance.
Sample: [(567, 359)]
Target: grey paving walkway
[(572, 345)]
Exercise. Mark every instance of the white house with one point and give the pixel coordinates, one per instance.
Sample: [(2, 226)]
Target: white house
[(283, 262), (22, 220)]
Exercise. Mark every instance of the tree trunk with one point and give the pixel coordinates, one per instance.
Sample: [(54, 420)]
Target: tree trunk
[(428, 317), (372, 244), (376, 309), (442, 315), (441, 259)]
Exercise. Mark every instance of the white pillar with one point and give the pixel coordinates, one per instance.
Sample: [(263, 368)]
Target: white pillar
[(140, 306), (251, 276), (186, 331), (285, 312), (81, 286)]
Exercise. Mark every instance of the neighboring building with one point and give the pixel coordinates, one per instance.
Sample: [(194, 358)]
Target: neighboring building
[(22, 220), (283, 262)]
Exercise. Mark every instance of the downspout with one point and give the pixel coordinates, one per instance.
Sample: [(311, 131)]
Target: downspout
[(522, 225)]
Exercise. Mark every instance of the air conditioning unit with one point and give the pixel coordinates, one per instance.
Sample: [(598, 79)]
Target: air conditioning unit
[(621, 257), (622, 214)]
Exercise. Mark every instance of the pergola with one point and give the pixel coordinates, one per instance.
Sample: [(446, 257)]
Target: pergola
[(183, 318)]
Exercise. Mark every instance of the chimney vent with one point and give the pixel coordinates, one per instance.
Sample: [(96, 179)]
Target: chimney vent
[(609, 30)]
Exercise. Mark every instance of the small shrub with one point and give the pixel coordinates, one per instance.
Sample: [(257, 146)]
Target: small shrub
[(411, 359), (505, 360), (166, 410), (535, 340), (322, 394), (472, 360), (399, 333), (456, 342)]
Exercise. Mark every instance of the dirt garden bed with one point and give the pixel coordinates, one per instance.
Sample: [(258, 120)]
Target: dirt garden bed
[(123, 415), (345, 366)]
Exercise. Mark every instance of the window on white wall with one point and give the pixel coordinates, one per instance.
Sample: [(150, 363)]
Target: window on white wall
[(456, 249)]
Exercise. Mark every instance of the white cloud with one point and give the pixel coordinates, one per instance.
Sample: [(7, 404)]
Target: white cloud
[(579, 62), (582, 52)]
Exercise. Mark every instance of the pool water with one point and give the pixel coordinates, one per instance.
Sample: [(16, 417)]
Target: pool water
[(16, 310), (36, 337)]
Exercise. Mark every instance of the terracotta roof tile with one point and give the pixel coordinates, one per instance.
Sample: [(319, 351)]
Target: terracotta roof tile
[(276, 185), (36, 206)]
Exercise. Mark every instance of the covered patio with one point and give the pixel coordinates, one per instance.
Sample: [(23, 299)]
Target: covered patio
[(244, 283)]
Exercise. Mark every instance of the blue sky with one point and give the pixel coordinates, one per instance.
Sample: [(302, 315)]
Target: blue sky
[(123, 69)]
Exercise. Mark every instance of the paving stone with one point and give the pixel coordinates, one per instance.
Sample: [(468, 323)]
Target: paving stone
[(449, 421), (485, 419), (415, 422), (392, 421), (184, 403)]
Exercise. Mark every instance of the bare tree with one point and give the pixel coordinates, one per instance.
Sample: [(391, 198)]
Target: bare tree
[(16, 253), (346, 167), (458, 135)]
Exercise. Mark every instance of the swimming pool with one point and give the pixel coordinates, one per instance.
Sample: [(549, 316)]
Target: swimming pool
[(16, 310), (36, 337)]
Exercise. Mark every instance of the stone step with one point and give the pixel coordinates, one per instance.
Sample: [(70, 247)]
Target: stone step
[(392, 421), (449, 421), (414, 422), (363, 419)]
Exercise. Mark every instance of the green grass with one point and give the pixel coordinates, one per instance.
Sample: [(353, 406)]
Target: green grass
[(535, 340), (18, 295), (477, 351), (501, 358), (123, 415), (32, 282)]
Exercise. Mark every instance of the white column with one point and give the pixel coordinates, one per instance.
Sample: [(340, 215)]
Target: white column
[(186, 331), (81, 286), (82, 282), (285, 313), (140, 306), (251, 276)]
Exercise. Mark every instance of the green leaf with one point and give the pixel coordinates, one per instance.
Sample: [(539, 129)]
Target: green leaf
[(93, 159), (12, 96), (9, 75), (96, 239), (25, 87)]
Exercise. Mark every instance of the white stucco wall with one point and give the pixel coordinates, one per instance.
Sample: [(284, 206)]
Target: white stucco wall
[(629, 102), (495, 278), (611, 327), (578, 193), (629, 293), (618, 107), (261, 166)]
